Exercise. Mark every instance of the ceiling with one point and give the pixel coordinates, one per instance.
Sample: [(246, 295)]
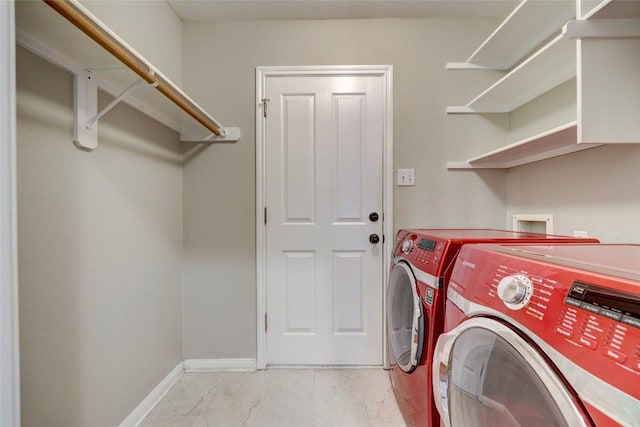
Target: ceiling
[(205, 10)]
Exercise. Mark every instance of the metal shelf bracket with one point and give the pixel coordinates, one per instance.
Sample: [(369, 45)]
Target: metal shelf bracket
[(86, 113), (85, 109), (113, 103), (227, 134)]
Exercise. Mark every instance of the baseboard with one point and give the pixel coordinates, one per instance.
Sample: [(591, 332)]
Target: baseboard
[(143, 409), (190, 365), (213, 365)]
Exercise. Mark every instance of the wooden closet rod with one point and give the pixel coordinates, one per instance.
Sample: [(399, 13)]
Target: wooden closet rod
[(91, 26)]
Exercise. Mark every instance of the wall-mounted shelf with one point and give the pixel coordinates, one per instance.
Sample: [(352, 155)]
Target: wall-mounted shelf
[(75, 39), (528, 80), (528, 26), (602, 51), (552, 143)]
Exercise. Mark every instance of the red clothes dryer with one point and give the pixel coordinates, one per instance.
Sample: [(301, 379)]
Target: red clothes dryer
[(422, 264), (541, 336)]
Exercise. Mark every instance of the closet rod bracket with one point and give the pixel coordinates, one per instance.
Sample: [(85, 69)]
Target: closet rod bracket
[(92, 121), (227, 134), (85, 109), (86, 114)]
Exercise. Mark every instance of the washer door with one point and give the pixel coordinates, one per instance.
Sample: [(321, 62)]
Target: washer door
[(404, 317), (486, 375)]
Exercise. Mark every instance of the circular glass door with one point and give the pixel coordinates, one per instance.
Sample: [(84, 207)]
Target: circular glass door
[(491, 377), (404, 318)]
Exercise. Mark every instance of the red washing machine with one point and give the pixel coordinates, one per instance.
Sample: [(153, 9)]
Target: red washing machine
[(541, 336), (422, 264)]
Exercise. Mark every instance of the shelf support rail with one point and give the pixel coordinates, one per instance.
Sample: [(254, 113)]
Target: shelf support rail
[(85, 21)]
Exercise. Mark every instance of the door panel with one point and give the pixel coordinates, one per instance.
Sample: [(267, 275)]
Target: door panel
[(300, 298), (324, 279), (349, 156), (349, 287), (298, 140)]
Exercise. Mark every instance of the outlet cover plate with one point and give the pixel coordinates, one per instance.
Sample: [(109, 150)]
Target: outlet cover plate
[(406, 177)]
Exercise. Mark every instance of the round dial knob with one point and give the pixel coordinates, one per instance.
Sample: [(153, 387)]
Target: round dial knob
[(406, 246), (515, 291)]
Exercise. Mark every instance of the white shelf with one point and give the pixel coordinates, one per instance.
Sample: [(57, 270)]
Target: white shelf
[(530, 24), (552, 65), (47, 33), (601, 50), (552, 143)]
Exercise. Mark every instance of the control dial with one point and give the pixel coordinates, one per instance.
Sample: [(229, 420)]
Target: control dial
[(406, 246), (515, 291)]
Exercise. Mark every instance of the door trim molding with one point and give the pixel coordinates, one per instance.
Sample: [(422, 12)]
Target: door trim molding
[(262, 73)]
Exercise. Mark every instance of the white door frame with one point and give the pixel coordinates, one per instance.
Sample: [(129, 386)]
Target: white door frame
[(9, 345), (262, 73)]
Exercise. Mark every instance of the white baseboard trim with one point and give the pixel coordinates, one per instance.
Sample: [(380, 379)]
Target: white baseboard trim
[(190, 365), (213, 365), (143, 409)]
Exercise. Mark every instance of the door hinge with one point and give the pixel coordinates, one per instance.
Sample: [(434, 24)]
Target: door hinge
[(264, 106), (265, 322), (265, 216)]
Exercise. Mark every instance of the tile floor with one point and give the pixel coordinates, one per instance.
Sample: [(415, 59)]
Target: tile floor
[(280, 398)]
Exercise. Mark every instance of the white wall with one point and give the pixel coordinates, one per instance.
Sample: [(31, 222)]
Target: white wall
[(594, 190), (100, 249), (150, 27), (597, 190), (219, 61)]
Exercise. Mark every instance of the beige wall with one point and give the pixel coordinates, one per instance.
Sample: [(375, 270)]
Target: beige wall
[(219, 62), (101, 233), (100, 248), (160, 40), (596, 190)]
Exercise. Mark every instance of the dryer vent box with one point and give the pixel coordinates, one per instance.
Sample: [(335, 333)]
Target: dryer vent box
[(533, 223)]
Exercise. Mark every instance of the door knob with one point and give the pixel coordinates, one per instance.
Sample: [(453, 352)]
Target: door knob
[(374, 238), (373, 216)]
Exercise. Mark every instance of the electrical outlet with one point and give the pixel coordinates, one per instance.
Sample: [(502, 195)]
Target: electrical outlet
[(406, 177)]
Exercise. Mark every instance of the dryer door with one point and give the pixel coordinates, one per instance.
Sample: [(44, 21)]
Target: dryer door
[(404, 317), (486, 375)]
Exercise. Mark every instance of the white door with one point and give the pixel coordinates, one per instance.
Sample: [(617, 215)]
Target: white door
[(323, 171)]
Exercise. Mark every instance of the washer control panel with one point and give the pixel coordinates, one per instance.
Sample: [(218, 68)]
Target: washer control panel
[(590, 318), (603, 320), (515, 291), (423, 252)]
